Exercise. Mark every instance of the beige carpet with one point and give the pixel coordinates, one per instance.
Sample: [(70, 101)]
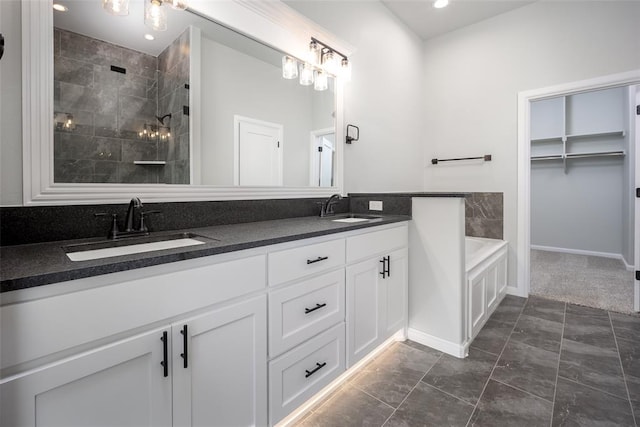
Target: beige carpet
[(581, 279)]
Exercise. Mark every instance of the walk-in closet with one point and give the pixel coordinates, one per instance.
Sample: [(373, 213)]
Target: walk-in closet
[(582, 198)]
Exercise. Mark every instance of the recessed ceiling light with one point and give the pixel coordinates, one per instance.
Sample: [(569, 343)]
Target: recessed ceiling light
[(439, 4), (60, 8), (149, 37)]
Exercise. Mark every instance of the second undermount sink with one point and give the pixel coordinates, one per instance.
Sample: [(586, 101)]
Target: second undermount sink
[(355, 218), (134, 245)]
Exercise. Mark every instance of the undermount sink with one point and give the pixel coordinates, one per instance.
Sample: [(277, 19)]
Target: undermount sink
[(133, 245), (355, 218)]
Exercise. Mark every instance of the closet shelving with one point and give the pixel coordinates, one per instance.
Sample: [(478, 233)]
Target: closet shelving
[(553, 141)]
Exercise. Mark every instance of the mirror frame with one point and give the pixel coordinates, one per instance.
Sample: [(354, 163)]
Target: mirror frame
[(272, 23)]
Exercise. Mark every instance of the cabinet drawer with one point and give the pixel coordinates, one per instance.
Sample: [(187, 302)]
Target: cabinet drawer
[(298, 262), (297, 375), (377, 242), (300, 311)]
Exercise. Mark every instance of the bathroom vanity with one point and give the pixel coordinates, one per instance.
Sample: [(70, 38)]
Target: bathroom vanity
[(239, 337)]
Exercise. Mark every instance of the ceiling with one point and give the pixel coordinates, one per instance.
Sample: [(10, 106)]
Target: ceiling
[(428, 22)]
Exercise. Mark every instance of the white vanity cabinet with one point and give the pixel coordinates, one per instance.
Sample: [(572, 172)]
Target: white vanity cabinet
[(376, 289), (237, 339)]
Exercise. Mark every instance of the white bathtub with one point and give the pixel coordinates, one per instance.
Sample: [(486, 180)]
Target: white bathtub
[(477, 249), (486, 279)]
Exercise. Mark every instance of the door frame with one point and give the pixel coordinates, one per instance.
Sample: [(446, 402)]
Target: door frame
[(523, 261), (237, 119)]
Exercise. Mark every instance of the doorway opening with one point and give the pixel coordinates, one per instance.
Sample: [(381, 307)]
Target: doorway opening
[(578, 217)]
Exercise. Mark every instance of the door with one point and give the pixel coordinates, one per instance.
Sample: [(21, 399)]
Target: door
[(220, 367), (364, 306), (395, 286), (258, 152), (121, 384)]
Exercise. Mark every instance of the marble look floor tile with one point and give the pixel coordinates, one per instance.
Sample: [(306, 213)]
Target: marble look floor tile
[(630, 357), (492, 336), (501, 405), (633, 386), (537, 332), (393, 375), (528, 368), (428, 406), (423, 348), (544, 309), (462, 378), (625, 326), (586, 311), (591, 365), (600, 336), (514, 301), (506, 313), (579, 405), (350, 407)]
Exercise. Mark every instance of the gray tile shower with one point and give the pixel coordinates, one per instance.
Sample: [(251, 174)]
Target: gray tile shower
[(537, 362), (108, 106)]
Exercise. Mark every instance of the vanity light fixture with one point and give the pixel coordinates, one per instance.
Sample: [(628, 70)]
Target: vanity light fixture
[(177, 4), (331, 60), (60, 7), (321, 82), (116, 7), (63, 122), (155, 17), (289, 67), (306, 74), (439, 4)]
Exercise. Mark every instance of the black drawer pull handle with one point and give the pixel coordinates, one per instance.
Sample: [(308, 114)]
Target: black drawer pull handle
[(320, 258), (316, 369), (185, 354), (318, 306), (165, 354), (384, 268)]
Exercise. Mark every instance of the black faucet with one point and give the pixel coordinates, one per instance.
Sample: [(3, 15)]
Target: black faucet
[(134, 204), (129, 229), (327, 207)]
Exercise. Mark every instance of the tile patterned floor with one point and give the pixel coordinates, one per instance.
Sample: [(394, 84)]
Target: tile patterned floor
[(537, 362)]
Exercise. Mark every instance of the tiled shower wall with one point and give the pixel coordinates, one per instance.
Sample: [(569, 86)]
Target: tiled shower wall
[(108, 110)]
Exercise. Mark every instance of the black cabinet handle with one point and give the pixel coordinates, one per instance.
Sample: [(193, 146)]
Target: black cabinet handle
[(318, 306), (388, 265), (320, 258), (184, 354), (165, 353), (316, 369)]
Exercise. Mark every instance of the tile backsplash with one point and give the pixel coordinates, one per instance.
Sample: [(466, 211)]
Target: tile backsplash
[(484, 215)]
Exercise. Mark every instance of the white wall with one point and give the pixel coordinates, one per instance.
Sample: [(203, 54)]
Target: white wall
[(473, 75), (11, 106), (384, 97)]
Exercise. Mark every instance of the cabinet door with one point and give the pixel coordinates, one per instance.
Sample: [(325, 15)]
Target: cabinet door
[(364, 307), (224, 379), (394, 287), (121, 384), (477, 303)]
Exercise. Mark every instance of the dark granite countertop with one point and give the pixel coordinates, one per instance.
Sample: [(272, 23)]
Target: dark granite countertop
[(412, 194), (25, 266)]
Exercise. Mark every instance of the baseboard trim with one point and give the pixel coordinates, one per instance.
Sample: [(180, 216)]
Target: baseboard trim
[(584, 252), (453, 349)]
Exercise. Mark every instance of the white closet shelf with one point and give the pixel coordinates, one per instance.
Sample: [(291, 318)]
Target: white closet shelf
[(618, 153), (150, 162), (616, 133)]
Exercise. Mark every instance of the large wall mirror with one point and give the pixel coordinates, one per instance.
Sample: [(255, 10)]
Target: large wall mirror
[(198, 111)]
